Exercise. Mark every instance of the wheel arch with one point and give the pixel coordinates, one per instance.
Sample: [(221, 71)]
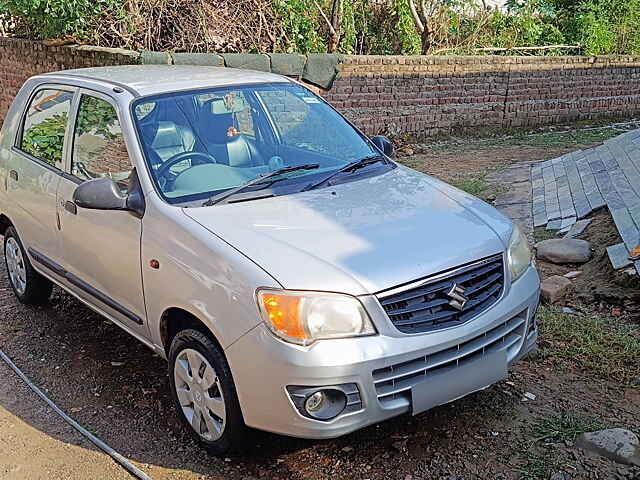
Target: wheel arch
[(176, 319), (5, 223)]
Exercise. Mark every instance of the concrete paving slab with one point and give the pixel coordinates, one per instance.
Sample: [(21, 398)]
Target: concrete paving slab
[(619, 256), (578, 228)]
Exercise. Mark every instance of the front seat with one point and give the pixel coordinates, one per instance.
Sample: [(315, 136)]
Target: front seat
[(227, 148), (167, 138)]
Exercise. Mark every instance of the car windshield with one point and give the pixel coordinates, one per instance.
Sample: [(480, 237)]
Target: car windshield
[(201, 143)]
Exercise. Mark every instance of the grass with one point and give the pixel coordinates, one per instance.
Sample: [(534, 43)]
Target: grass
[(474, 187), (565, 427), (537, 468), (604, 347), (569, 138), (541, 233)]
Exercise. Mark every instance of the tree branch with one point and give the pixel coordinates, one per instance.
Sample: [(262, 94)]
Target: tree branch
[(416, 17), (331, 29)]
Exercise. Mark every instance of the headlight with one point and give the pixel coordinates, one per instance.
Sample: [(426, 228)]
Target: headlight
[(518, 254), (304, 317)]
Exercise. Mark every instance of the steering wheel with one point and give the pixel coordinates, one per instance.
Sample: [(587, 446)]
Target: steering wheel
[(179, 157)]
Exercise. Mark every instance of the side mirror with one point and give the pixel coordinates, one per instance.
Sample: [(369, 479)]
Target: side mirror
[(384, 144), (100, 194)]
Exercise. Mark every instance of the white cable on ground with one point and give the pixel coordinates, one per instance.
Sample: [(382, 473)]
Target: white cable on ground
[(135, 471)]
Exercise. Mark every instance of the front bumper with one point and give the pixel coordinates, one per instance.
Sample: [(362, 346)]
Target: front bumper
[(263, 366)]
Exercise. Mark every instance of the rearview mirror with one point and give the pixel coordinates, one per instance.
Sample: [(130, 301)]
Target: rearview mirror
[(100, 194), (384, 144)]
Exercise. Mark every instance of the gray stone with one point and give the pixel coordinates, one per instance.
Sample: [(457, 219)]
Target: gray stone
[(291, 64), (197, 59), (132, 54), (617, 444), (560, 476), (573, 274), (554, 224), (578, 228), (321, 69), (514, 174), (249, 61), (518, 193), (618, 256), (147, 57), (555, 288), (567, 222), (516, 210), (563, 250), (539, 219)]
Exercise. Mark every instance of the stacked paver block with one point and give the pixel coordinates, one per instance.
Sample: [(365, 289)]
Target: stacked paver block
[(572, 186)]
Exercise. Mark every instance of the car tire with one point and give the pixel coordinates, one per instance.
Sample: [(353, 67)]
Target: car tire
[(191, 355), (29, 286)]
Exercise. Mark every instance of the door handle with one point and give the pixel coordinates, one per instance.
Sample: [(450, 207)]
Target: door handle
[(70, 207), (13, 175)]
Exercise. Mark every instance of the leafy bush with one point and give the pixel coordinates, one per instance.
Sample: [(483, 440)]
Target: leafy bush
[(301, 26), (368, 26), (54, 18)]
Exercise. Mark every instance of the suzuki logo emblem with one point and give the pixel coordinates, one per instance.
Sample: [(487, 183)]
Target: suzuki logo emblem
[(458, 300)]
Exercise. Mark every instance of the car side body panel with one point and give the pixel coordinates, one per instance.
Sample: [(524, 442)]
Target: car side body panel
[(199, 273), (28, 186)]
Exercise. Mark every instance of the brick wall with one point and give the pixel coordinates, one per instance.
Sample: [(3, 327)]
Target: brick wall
[(398, 94), (419, 94), (21, 59)]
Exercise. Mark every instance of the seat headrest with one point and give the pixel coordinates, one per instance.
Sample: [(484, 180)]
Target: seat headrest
[(216, 126)]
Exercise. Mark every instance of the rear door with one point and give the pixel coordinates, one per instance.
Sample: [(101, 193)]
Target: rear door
[(101, 249), (36, 165)]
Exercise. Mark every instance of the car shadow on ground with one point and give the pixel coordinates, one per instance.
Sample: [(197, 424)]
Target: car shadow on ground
[(118, 389)]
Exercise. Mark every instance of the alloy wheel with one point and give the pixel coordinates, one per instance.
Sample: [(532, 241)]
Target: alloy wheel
[(16, 265), (199, 392)]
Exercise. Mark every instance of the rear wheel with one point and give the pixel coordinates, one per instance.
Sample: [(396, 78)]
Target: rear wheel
[(204, 393), (29, 286)]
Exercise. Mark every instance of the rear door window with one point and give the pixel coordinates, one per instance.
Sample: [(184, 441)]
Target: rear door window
[(45, 126)]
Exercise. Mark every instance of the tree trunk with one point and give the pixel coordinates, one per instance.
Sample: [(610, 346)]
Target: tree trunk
[(336, 24), (425, 38)]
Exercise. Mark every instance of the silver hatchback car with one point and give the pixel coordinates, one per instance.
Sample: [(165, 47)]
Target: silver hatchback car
[(295, 277)]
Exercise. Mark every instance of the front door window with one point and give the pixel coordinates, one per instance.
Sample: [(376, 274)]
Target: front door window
[(98, 146)]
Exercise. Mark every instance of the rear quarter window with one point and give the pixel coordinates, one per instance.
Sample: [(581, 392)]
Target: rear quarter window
[(45, 125)]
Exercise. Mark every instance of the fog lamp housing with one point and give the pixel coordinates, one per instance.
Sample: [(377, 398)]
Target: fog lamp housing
[(325, 403)]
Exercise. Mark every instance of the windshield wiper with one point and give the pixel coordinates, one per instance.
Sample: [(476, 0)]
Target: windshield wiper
[(259, 179), (349, 167)]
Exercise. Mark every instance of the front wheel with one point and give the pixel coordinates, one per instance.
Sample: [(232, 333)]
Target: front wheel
[(29, 286), (204, 393)]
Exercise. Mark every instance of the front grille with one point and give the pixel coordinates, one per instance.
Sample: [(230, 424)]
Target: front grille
[(397, 380), (427, 307)]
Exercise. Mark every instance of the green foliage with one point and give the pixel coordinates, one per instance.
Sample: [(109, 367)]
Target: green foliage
[(407, 37), (45, 139), (565, 426), (301, 25), (602, 26), (42, 19), (368, 26), (590, 343)]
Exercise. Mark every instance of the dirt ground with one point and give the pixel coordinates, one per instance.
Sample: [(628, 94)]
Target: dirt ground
[(118, 389), (36, 444)]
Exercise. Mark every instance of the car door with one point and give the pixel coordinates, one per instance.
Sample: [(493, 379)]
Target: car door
[(101, 248), (36, 165)]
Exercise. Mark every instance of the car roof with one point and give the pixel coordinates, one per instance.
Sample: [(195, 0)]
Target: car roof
[(146, 80)]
